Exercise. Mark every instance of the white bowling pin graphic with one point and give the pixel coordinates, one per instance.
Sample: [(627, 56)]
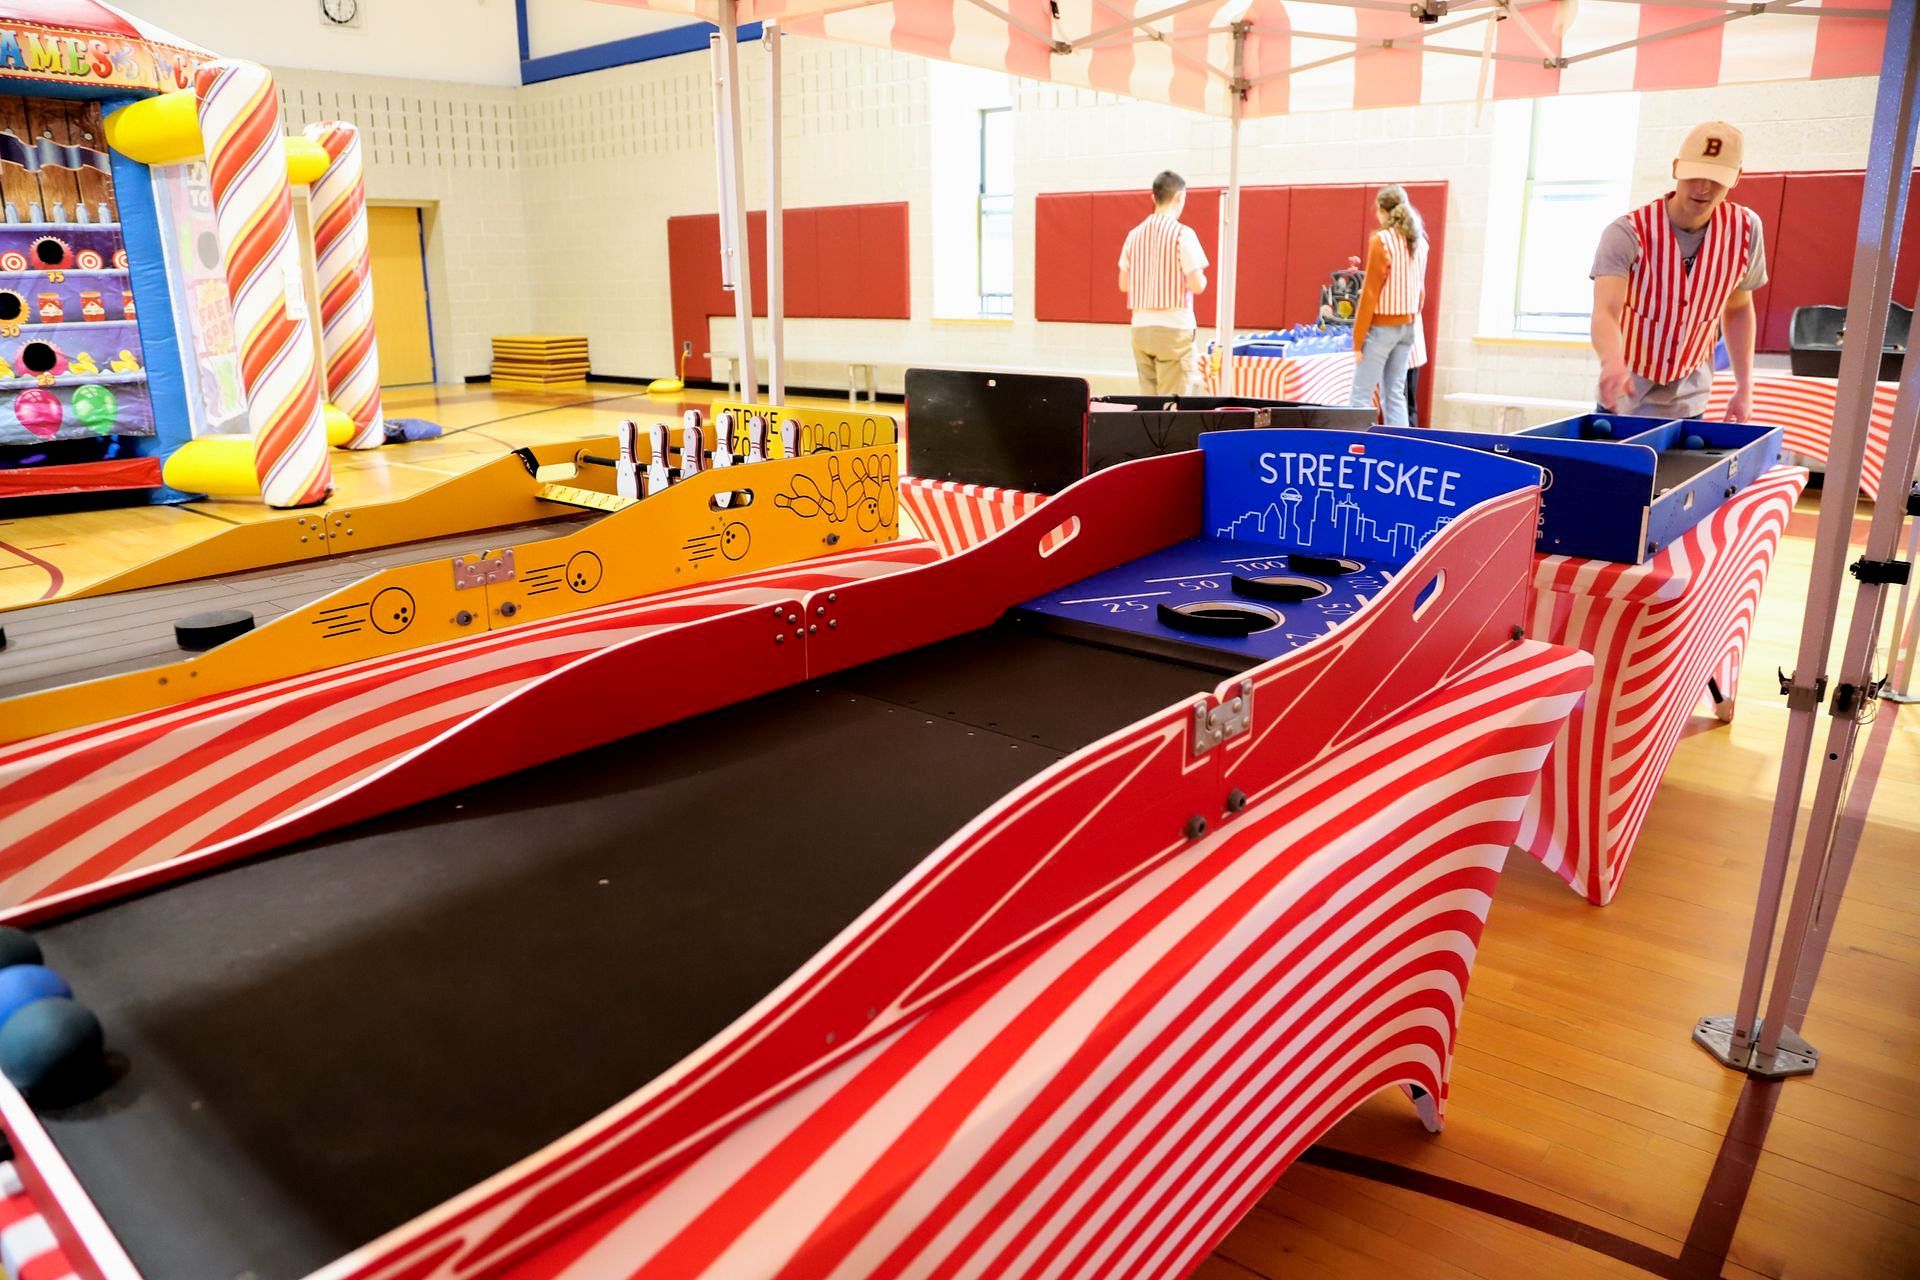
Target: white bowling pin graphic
[(658, 477), (723, 428), (626, 472), (691, 447)]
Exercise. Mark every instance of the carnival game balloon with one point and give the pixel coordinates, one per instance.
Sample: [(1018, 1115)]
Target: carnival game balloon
[(96, 408), (38, 410)]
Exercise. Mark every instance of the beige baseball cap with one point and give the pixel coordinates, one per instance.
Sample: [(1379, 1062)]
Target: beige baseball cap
[(1714, 151)]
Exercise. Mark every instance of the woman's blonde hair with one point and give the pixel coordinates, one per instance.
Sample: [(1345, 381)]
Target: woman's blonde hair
[(1401, 215)]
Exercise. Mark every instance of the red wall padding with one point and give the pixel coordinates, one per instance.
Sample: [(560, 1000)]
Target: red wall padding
[(1291, 240), (843, 262), (1811, 222)]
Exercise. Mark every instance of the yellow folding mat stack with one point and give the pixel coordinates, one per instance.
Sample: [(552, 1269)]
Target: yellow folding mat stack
[(540, 358)]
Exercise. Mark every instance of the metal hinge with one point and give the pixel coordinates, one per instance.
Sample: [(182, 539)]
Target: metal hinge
[(1217, 724), (1801, 697), (1880, 572), (1850, 699), (482, 570)]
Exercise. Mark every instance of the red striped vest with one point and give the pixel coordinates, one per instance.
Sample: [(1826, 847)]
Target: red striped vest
[(1672, 314), (1153, 265), (1401, 293)]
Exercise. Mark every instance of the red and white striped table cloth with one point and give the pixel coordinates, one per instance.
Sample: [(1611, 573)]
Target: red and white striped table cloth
[(1321, 379), (1804, 408), (1658, 633)]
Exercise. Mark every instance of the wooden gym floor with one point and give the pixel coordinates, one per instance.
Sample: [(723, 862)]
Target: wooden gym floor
[(1586, 1135)]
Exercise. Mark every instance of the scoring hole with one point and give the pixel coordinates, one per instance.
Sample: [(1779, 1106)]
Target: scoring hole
[(734, 499)]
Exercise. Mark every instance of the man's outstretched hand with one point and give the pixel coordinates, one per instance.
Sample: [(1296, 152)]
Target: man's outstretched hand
[(1615, 381)]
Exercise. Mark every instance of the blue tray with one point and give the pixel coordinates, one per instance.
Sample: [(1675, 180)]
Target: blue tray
[(1621, 488)]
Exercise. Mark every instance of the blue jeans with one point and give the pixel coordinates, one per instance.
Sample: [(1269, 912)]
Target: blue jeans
[(1384, 357)]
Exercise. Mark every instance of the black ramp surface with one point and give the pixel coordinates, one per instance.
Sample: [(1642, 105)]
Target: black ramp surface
[(326, 1043)]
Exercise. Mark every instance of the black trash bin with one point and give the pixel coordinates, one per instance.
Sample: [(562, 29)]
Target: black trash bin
[(1817, 332)]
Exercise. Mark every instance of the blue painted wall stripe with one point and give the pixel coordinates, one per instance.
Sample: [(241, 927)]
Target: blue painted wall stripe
[(620, 53)]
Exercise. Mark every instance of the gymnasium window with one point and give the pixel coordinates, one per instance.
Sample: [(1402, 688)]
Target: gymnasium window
[(995, 212), (1578, 177), (970, 121)]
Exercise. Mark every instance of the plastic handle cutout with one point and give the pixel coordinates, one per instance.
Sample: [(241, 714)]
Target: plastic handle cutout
[(1428, 594), (1059, 536)]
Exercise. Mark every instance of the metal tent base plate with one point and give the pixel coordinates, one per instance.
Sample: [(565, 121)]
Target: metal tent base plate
[(1794, 1057)]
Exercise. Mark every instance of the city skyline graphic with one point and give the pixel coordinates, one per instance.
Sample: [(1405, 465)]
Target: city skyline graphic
[(1291, 519)]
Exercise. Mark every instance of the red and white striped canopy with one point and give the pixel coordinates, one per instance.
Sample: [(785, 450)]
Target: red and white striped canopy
[(1337, 55)]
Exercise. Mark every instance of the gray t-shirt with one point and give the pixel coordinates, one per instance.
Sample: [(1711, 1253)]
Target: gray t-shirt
[(1618, 250), (1686, 397)]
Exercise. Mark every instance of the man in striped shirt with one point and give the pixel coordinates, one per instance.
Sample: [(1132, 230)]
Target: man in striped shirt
[(1669, 277), (1161, 267)]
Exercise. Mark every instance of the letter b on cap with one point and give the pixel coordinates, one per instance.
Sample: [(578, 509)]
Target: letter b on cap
[(1713, 147)]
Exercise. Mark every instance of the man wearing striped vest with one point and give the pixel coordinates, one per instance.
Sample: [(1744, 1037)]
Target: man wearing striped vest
[(1668, 277), (1161, 267)]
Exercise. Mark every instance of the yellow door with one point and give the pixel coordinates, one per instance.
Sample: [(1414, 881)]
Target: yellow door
[(400, 294)]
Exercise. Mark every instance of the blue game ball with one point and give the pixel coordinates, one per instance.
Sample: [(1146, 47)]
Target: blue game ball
[(1695, 442), (53, 1048), (22, 984), (17, 946), (1602, 429)]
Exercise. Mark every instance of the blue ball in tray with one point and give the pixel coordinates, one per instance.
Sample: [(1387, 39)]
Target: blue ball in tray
[(1600, 429), (53, 1050), (22, 984), (1694, 442)]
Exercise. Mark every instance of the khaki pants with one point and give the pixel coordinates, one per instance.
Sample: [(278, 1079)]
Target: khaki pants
[(1164, 358)]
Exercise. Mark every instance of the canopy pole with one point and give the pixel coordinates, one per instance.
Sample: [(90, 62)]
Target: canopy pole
[(776, 230), (1230, 216), (720, 159), (1906, 615), (733, 207), (1742, 1041)]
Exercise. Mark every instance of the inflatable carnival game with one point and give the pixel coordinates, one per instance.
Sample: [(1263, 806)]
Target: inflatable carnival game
[(173, 321)]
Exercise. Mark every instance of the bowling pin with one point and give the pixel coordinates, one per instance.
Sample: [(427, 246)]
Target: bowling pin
[(658, 477), (757, 437), (626, 472), (691, 447), (723, 432), (723, 428), (789, 438)]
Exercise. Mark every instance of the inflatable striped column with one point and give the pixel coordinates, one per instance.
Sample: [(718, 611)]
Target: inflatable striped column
[(346, 284), (253, 215)]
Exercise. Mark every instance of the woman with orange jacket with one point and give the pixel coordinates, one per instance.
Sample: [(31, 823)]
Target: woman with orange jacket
[(1385, 327)]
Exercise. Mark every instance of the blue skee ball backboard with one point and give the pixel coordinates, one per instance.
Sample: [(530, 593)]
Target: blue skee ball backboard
[(1373, 497)]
